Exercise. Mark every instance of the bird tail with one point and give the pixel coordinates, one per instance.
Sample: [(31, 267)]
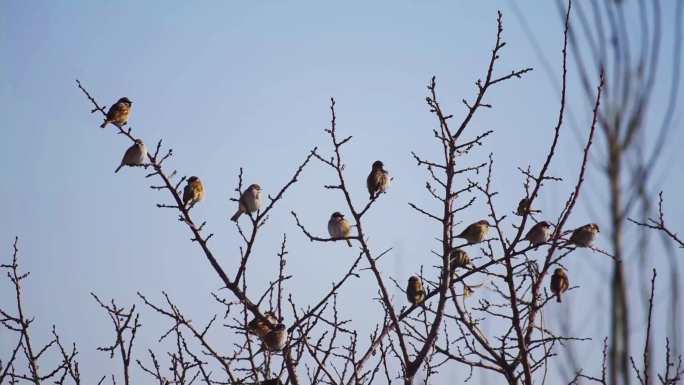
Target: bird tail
[(558, 298), (104, 124), (118, 168), (235, 216), (349, 243)]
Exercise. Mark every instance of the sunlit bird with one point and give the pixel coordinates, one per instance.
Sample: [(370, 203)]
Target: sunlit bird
[(559, 283), (250, 201), (118, 113), (193, 192), (339, 227), (414, 291), (584, 236), (476, 232)]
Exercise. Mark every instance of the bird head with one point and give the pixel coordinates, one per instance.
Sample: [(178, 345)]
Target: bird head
[(484, 223), (594, 227), (544, 224), (125, 100), (559, 271), (255, 187), (337, 215), (193, 179), (279, 327), (378, 165), (414, 280), (139, 142)]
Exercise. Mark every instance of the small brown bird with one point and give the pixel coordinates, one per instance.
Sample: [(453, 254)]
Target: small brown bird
[(276, 339), (584, 236), (118, 113), (339, 227), (414, 291), (458, 258), (539, 233), (378, 180), (193, 192), (134, 156), (476, 232), (250, 201), (523, 207), (559, 283), (261, 327)]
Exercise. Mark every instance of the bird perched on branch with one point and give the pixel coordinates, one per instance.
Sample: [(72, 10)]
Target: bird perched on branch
[(134, 156), (261, 327), (476, 232), (193, 192), (378, 180), (539, 233), (339, 227), (276, 339), (414, 291), (584, 236), (250, 201), (458, 258), (523, 207), (559, 283), (118, 113)]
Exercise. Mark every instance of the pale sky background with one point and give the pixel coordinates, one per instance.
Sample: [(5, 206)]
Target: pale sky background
[(231, 85)]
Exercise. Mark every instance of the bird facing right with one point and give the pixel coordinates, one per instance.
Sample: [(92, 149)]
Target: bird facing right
[(414, 291), (476, 232), (250, 201), (378, 180), (134, 156), (584, 236), (118, 113), (339, 227), (559, 283), (539, 233), (193, 192)]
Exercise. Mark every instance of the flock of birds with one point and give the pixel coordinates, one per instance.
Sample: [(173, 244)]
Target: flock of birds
[(273, 333)]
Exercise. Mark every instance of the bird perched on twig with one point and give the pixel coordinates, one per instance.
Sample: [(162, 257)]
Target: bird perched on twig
[(276, 339), (523, 207), (584, 236), (250, 201), (539, 233), (261, 327), (414, 291), (476, 232), (134, 156), (118, 113), (193, 192), (339, 227), (458, 258), (378, 180), (559, 283)]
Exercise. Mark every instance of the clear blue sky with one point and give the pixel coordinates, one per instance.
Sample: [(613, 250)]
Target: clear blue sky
[(231, 85)]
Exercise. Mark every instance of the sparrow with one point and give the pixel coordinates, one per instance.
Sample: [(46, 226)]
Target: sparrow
[(275, 340), (476, 232), (559, 283), (584, 236), (134, 156), (250, 201), (338, 227), (261, 327), (414, 291), (523, 207), (378, 180), (118, 113), (193, 192), (458, 258), (539, 233)]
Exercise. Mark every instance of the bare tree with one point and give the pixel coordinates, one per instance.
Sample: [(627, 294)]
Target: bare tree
[(439, 327)]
